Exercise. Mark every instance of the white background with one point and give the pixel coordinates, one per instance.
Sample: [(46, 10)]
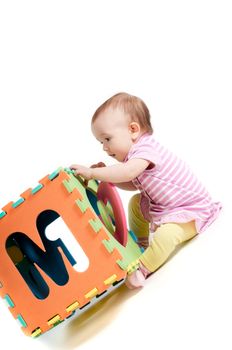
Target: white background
[(58, 61)]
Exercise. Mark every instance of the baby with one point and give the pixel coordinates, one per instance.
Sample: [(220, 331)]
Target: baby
[(172, 207)]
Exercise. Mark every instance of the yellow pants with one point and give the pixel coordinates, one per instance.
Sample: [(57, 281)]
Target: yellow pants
[(167, 237)]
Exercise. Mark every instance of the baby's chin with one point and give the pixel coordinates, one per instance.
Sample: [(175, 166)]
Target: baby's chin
[(119, 159)]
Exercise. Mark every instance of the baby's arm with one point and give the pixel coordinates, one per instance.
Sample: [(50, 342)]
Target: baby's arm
[(128, 186), (118, 173)]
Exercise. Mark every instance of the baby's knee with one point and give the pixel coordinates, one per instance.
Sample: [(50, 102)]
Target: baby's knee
[(134, 202)]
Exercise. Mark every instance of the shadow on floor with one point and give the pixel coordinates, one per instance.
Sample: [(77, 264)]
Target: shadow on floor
[(77, 330)]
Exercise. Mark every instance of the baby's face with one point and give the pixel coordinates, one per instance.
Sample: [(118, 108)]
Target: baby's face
[(112, 129)]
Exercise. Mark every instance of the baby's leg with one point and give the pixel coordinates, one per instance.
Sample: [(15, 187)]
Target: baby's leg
[(137, 223), (166, 239)]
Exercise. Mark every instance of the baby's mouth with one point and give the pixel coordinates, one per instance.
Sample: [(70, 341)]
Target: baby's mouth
[(112, 155)]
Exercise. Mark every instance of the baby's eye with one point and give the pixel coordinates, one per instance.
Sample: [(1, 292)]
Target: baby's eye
[(107, 139)]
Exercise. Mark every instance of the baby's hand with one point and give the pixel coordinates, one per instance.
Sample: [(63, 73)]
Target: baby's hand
[(98, 165), (84, 171)]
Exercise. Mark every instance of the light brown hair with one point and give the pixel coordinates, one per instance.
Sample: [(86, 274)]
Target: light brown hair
[(131, 105)]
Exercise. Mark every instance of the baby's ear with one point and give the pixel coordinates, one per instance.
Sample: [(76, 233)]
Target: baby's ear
[(134, 129)]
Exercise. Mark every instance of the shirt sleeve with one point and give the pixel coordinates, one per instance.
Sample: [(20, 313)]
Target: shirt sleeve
[(145, 150)]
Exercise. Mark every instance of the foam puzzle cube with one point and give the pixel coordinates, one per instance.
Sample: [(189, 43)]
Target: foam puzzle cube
[(63, 245)]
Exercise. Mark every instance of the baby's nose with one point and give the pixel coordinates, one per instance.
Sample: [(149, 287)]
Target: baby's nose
[(105, 148)]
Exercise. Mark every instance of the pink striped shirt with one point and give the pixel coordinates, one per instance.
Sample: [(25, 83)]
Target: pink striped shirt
[(170, 192)]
